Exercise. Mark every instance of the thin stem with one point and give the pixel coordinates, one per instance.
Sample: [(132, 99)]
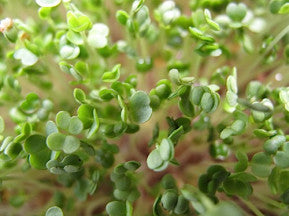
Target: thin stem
[(268, 200), (271, 45), (252, 207), (143, 46)]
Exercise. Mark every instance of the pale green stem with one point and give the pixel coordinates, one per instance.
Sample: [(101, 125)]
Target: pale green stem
[(252, 207), (268, 200), (271, 45)]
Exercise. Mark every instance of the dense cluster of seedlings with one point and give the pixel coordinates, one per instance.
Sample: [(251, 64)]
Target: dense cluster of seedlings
[(102, 100)]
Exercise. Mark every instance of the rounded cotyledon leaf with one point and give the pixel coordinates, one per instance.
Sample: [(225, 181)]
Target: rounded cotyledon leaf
[(139, 107), (54, 211), (166, 149), (34, 144), (26, 56), (75, 125), (71, 144), (55, 141), (261, 164), (116, 208), (154, 159), (48, 3)]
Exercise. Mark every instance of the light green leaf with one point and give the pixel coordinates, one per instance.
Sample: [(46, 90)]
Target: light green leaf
[(116, 208), (69, 52), (284, 9), (63, 119), (71, 144), (26, 56), (198, 34), (139, 107), (154, 160), (166, 149), (113, 75), (207, 102), (48, 3), (74, 37), (78, 22), (97, 36), (55, 141), (261, 164), (236, 12), (54, 211), (95, 125), (75, 126), (211, 23), (281, 159)]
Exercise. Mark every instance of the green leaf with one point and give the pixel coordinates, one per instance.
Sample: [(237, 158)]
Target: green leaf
[(122, 17), (95, 125), (232, 82), (154, 160), (273, 180), (237, 187), (169, 199), (242, 163), (79, 95), (116, 208), (168, 182), (281, 159), (48, 3), (54, 211), (182, 205), (26, 56), (244, 177), (275, 6), (261, 164), (55, 141), (157, 210), (236, 12), (75, 125), (74, 37), (271, 145), (283, 184), (39, 160), (197, 94), (51, 128), (198, 34), (139, 107), (69, 52), (176, 134), (284, 9), (227, 132), (34, 144), (285, 197), (78, 22), (63, 120), (71, 144), (132, 165), (97, 36), (166, 149), (185, 105), (238, 126), (261, 133), (13, 150), (85, 114), (207, 102), (211, 23), (113, 75)]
